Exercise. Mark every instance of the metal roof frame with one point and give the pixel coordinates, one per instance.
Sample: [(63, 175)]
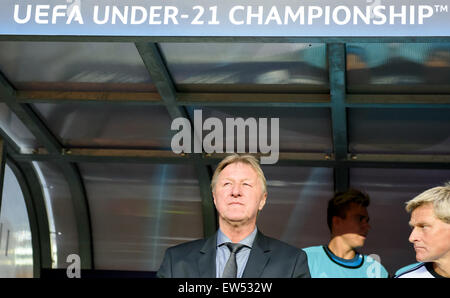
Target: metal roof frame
[(338, 101), (53, 147), (157, 69), (231, 39), (37, 214)]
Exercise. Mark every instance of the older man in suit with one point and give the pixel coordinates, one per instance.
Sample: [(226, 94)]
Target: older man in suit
[(238, 249)]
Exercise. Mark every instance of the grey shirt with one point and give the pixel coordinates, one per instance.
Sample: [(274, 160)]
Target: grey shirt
[(223, 253)]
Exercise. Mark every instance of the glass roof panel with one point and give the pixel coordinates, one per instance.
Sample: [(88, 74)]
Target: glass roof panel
[(398, 68), (389, 189), (71, 66), (108, 126), (296, 206), (412, 131), (60, 212), (138, 211), (16, 130), (251, 67), (300, 129)]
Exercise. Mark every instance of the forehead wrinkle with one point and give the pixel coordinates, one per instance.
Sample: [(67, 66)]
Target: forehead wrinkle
[(238, 180), (421, 221), (235, 176)]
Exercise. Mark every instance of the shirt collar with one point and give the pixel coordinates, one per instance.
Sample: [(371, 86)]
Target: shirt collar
[(247, 241)]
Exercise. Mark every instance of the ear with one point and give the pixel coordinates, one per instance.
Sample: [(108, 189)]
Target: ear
[(336, 221), (262, 202), (214, 199)]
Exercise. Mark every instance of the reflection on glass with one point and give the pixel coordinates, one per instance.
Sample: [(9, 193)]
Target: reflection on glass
[(108, 126), (247, 64), (60, 213), (139, 210), (74, 66), (16, 130), (50, 215), (398, 67), (295, 210), (300, 129), (412, 131), (16, 250)]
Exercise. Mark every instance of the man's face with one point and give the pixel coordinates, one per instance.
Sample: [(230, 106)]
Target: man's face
[(430, 235), (354, 227), (238, 194)]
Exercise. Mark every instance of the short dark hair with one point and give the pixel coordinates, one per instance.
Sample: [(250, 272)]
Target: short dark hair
[(341, 201)]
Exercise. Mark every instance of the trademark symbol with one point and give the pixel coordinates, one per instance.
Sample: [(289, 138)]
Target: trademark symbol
[(441, 8)]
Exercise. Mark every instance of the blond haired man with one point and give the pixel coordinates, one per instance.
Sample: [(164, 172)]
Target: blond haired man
[(238, 249), (430, 235)]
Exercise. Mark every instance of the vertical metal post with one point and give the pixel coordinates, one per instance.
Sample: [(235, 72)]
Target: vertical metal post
[(153, 61), (336, 61), (51, 143), (82, 213), (37, 215), (2, 168)]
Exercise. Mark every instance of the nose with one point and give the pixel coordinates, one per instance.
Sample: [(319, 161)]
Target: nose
[(236, 191), (413, 236), (365, 225)]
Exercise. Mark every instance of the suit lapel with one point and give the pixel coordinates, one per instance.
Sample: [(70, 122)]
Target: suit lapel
[(207, 260), (259, 256)]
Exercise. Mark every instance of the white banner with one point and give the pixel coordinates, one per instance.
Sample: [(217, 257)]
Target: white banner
[(296, 18)]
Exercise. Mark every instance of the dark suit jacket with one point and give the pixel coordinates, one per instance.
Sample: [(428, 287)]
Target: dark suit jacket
[(268, 258)]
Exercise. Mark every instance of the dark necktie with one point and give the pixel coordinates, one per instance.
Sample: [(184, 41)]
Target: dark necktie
[(230, 270)]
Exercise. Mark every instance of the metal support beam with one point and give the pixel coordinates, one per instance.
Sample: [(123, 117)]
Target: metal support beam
[(420, 161), (227, 39), (255, 99), (286, 159), (2, 168), (107, 155), (53, 147), (11, 145), (299, 100), (336, 62), (160, 76), (37, 214), (82, 213), (29, 118), (398, 100), (88, 97), (79, 200), (415, 161)]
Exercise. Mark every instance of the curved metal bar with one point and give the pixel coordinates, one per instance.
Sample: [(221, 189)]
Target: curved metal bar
[(82, 213), (37, 214), (70, 171)]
